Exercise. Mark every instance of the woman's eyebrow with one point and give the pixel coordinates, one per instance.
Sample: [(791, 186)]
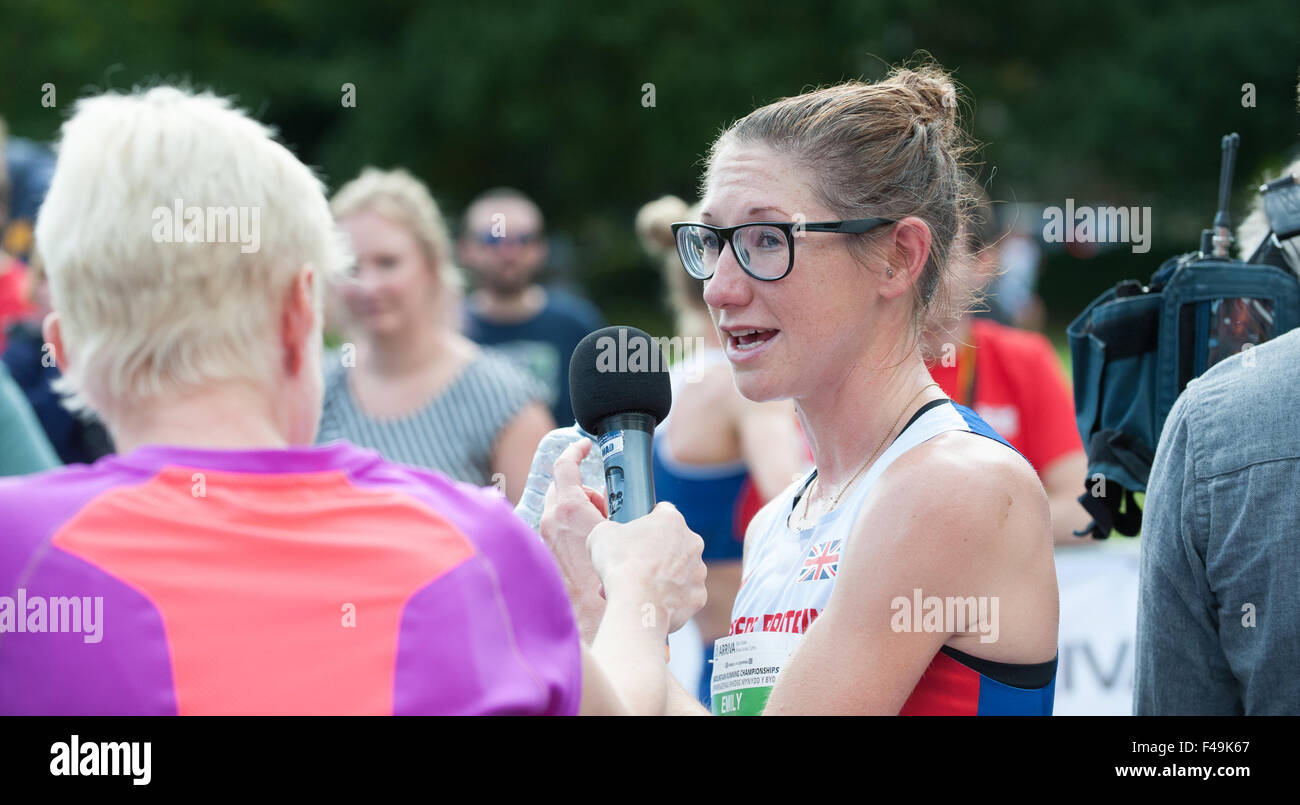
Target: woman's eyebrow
[(752, 212)]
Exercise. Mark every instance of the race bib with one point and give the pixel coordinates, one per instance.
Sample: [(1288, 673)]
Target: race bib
[(745, 667)]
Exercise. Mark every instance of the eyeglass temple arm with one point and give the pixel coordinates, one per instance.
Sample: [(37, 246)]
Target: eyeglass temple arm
[(854, 227)]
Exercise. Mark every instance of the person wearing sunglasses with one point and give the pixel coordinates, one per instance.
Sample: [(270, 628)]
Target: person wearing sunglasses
[(911, 571), (503, 244)]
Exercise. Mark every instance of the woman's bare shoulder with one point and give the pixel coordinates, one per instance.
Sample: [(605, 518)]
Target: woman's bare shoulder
[(969, 488)]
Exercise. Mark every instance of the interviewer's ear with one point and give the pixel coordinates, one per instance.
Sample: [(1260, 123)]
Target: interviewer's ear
[(906, 260), (298, 320), (52, 332)]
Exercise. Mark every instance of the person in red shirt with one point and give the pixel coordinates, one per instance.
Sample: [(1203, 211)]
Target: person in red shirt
[(13, 294), (13, 274), (1013, 379)]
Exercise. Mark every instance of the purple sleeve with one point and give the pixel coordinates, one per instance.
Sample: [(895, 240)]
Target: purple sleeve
[(510, 607), (545, 628)]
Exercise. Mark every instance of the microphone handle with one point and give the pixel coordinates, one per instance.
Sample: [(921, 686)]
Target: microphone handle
[(626, 442)]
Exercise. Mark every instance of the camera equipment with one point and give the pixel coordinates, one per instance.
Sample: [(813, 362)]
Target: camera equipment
[(1136, 347)]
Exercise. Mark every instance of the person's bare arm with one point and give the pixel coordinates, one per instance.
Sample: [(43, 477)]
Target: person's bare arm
[(682, 703), (598, 696), (512, 455), (629, 647), (1063, 479), (616, 679)]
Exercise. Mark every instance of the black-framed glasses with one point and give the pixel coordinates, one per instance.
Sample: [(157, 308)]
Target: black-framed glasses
[(764, 249)]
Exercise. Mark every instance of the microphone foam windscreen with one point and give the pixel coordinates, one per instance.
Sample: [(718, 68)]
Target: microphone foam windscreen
[(618, 370)]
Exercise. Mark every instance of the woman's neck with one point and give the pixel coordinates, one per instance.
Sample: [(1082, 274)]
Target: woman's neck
[(510, 308), (846, 422), (230, 416), (402, 354)]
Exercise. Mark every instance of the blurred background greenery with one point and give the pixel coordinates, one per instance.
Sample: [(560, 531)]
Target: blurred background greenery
[(1106, 102)]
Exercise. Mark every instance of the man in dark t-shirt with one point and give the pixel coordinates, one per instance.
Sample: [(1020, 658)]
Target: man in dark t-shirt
[(503, 246)]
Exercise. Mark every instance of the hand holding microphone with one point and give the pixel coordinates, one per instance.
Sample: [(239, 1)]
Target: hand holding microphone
[(571, 512), (654, 560), (644, 554)]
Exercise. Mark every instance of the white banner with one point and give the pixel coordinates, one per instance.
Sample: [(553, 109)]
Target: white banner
[(1099, 588)]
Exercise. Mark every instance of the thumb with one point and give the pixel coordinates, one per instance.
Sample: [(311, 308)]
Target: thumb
[(598, 500), (567, 473)]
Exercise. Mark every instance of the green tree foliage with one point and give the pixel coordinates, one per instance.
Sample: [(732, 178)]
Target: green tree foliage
[(1108, 100)]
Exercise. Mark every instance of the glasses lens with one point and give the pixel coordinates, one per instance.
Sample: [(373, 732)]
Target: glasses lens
[(698, 248), (764, 250)]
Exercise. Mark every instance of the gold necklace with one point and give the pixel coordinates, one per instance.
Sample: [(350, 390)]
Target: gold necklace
[(807, 501)]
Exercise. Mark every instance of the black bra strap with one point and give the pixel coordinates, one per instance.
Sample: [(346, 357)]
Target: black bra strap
[(931, 404)]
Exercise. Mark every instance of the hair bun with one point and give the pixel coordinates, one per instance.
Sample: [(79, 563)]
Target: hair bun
[(653, 225), (932, 95)]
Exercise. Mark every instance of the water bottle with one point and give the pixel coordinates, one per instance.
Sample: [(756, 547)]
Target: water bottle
[(552, 445)]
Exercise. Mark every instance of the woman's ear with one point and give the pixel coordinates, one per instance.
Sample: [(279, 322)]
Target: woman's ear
[(910, 239), (52, 333), (298, 319)]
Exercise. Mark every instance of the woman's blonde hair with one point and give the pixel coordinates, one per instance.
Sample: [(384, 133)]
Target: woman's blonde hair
[(685, 295), (406, 201), (892, 149)]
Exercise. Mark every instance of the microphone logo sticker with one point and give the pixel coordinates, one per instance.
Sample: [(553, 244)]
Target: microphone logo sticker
[(611, 444)]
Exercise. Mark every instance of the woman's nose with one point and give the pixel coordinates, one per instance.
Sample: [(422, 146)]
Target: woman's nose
[(730, 285)]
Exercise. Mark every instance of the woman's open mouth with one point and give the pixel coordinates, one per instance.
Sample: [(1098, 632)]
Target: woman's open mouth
[(742, 342), (748, 339)]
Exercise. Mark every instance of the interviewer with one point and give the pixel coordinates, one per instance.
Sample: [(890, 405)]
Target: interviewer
[(220, 563)]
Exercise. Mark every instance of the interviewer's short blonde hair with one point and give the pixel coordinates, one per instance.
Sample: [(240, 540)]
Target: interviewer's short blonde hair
[(142, 318)]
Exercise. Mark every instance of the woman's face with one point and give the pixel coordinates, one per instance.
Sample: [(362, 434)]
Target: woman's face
[(815, 324), (394, 288)]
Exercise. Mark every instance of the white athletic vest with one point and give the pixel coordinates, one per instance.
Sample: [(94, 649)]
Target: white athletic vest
[(789, 574)]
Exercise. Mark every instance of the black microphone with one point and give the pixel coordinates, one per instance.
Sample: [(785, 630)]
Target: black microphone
[(618, 382)]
